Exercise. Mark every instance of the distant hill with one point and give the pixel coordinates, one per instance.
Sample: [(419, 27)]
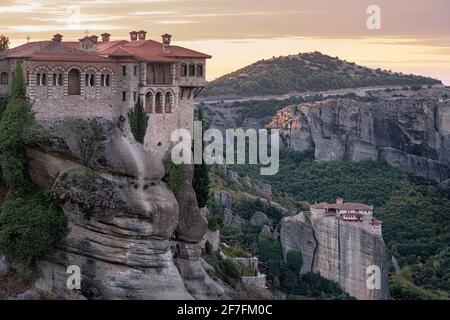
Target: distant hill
[(305, 72)]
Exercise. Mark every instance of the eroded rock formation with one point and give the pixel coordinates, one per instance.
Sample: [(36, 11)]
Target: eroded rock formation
[(122, 217), (410, 133), (339, 251)]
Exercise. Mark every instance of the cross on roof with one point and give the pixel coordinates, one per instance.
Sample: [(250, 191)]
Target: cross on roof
[(28, 39)]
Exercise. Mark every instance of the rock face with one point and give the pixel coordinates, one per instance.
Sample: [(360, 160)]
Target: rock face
[(339, 251), (411, 133), (122, 217), (259, 219)]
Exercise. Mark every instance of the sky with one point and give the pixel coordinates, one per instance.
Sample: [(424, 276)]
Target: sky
[(413, 35)]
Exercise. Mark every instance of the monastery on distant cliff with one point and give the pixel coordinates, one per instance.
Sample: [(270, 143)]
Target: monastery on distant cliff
[(347, 212)]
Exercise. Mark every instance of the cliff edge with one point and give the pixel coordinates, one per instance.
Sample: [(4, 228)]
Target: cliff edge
[(339, 251), (127, 231), (412, 134)]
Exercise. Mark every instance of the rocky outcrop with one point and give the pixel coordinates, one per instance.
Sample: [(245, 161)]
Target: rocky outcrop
[(410, 133), (259, 219), (122, 217), (297, 235), (339, 251)]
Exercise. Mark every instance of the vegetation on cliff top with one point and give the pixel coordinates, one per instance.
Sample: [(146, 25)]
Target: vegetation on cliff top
[(31, 225), (305, 72)]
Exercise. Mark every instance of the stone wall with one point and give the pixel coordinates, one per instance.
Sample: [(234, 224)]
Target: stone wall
[(5, 66), (251, 262), (259, 280), (162, 125), (54, 101)]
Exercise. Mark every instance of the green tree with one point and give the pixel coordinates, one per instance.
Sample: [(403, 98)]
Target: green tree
[(4, 42), (200, 181), (15, 124), (31, 226), (294, 261), (138, 121)]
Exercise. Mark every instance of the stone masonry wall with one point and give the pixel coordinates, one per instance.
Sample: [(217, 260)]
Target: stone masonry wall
[(162, 125)]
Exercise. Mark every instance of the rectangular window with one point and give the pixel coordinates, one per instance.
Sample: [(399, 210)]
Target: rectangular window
[(192, 70), (4, 78), (124, 96), (135, 71), (184, 70), (124, 70), (134, 96), (199, 70)]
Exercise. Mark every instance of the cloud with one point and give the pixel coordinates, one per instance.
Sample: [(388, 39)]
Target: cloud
[(82, 18), (154, 13), (82, 27), (19, 9), (176, 22)]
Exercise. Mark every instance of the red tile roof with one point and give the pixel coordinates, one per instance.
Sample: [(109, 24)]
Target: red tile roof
[(141, 50), (343, 206), (376, 222)]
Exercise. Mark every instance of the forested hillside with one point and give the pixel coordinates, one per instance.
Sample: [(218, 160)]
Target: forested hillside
[(415, 213), (305, 72)]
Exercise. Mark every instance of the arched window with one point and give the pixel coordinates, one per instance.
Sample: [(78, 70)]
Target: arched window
[(74, 82), (192, 70), (105, 80), (57, 80), (4, 78), (169, 103), (159, 103), (200, 70), (41, 79), (184, 71), (149, 102), (89, 80), (28, 78)]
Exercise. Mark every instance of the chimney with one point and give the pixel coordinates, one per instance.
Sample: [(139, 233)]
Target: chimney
[(57, 38), (133, 35), (105, 37), (339, 201), (141, 35), (166, 42)]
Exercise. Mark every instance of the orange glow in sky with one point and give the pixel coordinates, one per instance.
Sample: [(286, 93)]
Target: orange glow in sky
[(414, 35)]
